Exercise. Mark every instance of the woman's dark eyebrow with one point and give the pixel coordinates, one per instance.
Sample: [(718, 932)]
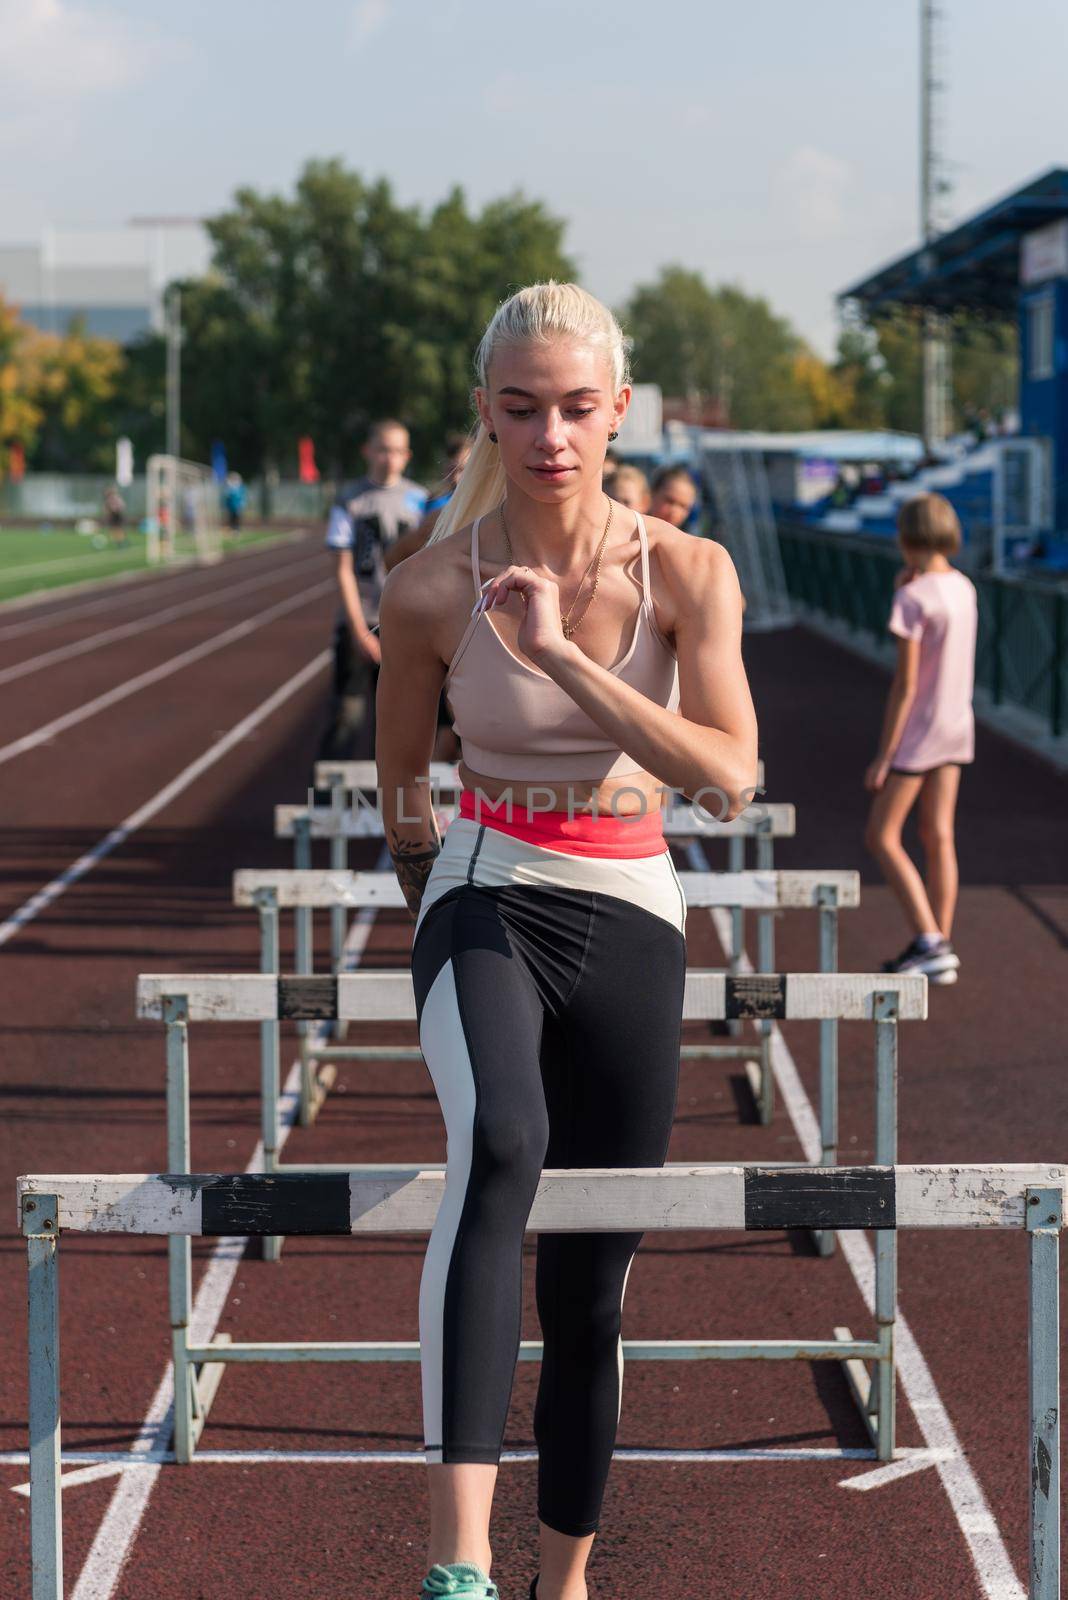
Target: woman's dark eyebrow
[(572, 394)]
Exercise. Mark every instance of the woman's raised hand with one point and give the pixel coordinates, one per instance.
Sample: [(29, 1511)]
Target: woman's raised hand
[(540, 629)]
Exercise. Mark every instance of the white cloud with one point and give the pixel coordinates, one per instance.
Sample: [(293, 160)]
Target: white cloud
[(368, 18), (812, 188), (55, 56), (52, 47)]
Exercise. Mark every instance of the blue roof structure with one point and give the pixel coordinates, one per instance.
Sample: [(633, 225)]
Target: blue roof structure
[(974, 267)]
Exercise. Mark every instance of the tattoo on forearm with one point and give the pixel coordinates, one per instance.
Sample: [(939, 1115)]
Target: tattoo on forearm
[(412, 861)]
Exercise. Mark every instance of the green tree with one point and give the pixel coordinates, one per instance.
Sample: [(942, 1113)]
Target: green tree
[(138, 410), (338, 305), (718, 344), (883, 361), (73, 379), (986, 367), (860, 369), (20, 416)]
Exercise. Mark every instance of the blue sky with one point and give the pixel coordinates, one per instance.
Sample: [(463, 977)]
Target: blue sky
[(771, 144)]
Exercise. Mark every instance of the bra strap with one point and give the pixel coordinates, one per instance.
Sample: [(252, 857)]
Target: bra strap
[(474, 557), (643, 540)]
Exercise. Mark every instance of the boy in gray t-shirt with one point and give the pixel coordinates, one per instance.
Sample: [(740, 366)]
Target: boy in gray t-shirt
[(368, 516)]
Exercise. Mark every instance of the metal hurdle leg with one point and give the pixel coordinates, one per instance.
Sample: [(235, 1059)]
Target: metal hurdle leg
[(339, 860), (761, 1078), (316, 1078), (876, 1395), (828, 904), (194, 1389), (735, 863), (1044, 1217), (270, 1076), (41, 1213)]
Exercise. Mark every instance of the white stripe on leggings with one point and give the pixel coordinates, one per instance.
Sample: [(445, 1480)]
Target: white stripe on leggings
[(619, 1352), (444, 1047)]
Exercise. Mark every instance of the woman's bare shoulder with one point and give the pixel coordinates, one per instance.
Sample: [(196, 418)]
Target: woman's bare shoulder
[(431, 580), (692, 568)]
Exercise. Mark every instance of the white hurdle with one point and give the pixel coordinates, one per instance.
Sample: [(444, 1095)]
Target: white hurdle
[(340, 779), (683, 824), (889, 1198), (183, 998), (334, 778), (271, 891)]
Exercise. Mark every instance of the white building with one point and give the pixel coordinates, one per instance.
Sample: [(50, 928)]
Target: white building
[(111, 278)]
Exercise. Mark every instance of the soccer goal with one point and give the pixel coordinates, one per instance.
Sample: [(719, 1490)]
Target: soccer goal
[(184, 519)]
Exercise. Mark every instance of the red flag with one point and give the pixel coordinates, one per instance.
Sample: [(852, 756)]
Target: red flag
[(308, 471)]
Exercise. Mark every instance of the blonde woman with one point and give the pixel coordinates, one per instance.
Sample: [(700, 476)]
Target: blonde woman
[(592, 663)]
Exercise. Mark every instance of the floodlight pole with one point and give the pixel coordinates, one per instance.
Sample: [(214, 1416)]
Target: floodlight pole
[(936, 347), (172, 320), (174, 370)]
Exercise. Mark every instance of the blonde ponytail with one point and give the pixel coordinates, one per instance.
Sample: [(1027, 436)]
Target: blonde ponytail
[(540, 312), (481, 487)]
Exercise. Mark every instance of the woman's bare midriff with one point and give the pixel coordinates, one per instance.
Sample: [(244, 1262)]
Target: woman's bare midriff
[(576, 793)]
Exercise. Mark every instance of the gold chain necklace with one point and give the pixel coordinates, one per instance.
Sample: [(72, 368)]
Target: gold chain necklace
[(566, 624)]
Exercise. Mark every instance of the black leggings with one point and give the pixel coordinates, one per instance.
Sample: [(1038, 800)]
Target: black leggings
[(550, 1021)]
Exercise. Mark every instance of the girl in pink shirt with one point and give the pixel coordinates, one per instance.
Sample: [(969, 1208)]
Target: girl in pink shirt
[(928, 732)]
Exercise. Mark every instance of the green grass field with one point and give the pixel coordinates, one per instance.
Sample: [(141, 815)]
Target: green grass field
[(34, 559)]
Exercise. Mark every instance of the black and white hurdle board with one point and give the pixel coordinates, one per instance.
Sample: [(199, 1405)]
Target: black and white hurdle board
[(389, 996), (1020, 1197), (443, 775), (570, 1200), (754, 890)]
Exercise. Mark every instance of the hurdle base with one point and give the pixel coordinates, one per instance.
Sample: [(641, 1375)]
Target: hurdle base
[(761, 1087), (204, 1385), (862, 1386), (405, 1052), (316, 1084)]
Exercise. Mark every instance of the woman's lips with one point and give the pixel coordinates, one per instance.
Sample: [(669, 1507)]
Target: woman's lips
[(552, 472)]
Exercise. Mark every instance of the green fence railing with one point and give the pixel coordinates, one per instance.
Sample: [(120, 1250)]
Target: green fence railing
[(1022, 648)]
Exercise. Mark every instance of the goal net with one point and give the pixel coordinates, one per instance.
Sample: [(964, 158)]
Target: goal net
[(184, 518)]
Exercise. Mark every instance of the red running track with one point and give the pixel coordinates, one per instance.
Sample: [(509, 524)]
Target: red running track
[(82, 1088)]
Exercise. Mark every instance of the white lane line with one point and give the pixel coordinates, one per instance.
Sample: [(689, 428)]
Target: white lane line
[(899, 1468), (117, 1461), (126, 630), (166, 669), (994, 1570), (78, 869), (60, 564), (117, 1532), (122, 590)]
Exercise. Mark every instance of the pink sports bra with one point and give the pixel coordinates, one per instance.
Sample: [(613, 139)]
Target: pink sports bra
[(513, 721)]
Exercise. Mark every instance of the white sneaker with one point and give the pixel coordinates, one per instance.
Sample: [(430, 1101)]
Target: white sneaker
[(939, 962)]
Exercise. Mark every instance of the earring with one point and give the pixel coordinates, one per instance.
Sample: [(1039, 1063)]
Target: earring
[(612, 436), (493, 438)]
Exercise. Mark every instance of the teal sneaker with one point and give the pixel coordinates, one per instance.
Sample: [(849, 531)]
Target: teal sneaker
[(461, 1580)]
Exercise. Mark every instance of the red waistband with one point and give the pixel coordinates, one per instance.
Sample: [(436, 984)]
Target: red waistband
[(579, 835)]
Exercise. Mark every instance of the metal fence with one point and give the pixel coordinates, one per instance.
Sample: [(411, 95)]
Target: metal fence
[(1022, 650), (66, 497)]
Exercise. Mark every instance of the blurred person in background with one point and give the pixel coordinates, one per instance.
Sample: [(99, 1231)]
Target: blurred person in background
[(928, 733), (235, 496), (674, 495), (457, 450), (628, 486), (115, 516), (368, 517)]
